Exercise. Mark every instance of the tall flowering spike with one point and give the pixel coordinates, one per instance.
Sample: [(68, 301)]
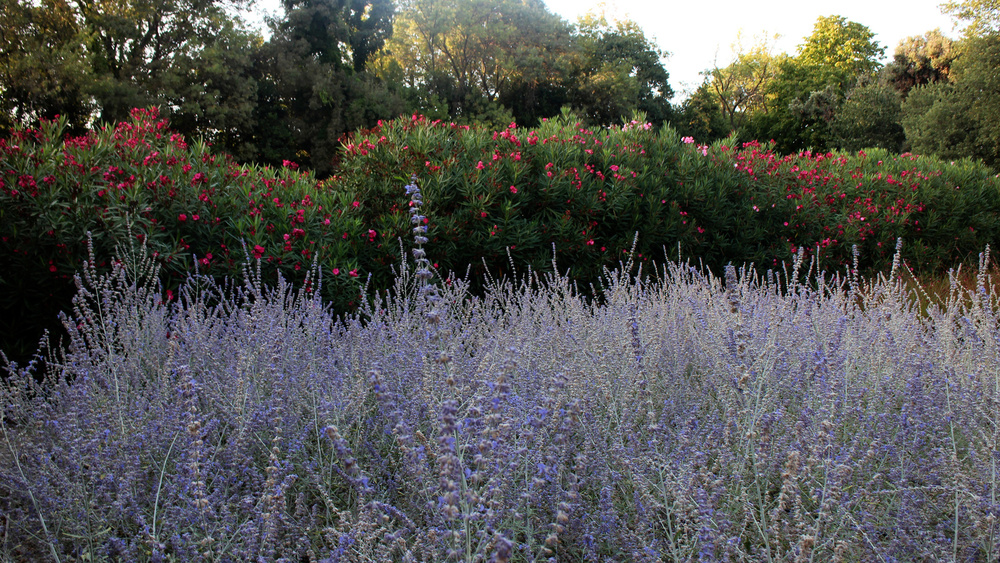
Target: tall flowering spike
[(853, 278), (423, 265), (636, 340), (984, 264), (896, 259), (732, 288)]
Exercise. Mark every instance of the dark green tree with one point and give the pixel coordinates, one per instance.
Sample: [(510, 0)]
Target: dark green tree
[(479, 56), (953, 120), (309, 92), (212, 93), (700, 116), (801, 102), (43, 66), (803, 99), (135, 46), (869, 116), (338, 32), (921, 60), (979, 86), (937, 121), (94, 60), (619, 72)]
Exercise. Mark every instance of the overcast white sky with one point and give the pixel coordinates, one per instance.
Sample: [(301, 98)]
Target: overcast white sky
[(695, 32)]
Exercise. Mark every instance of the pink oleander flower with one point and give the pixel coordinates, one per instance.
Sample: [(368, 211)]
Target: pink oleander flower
[(687, 140)]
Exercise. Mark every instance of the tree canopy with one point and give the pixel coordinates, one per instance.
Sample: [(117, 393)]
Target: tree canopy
[(957, 119), (982, 17), (741, 88), (803, 98), (922, 59), (843, 48), (325, 68)]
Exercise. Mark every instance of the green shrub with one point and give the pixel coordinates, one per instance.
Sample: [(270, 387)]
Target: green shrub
[(587, 192), (140, 183), (590, 191)]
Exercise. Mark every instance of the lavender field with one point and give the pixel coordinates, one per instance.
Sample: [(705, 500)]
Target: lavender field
[(678, 417)]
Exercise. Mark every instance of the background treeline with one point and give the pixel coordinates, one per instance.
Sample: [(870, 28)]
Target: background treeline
[(327, 67), (324, 68), (937, 96)]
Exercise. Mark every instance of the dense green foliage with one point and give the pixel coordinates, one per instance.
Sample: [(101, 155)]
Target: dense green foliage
[(960, 119), (802, 98), (869, 116)]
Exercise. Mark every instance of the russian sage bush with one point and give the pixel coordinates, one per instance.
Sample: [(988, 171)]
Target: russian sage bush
[(678, 418)]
